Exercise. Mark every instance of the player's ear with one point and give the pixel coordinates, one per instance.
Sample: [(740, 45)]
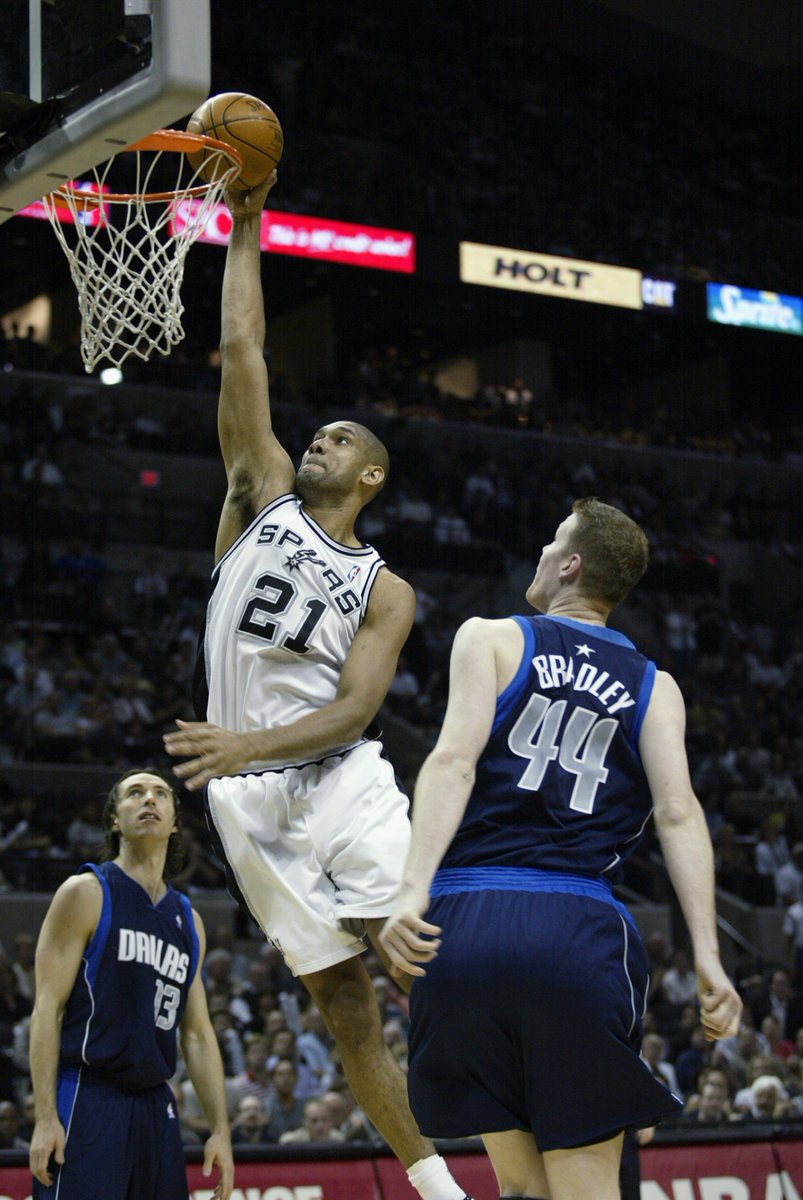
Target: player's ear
[(373, 475), (570, 567)]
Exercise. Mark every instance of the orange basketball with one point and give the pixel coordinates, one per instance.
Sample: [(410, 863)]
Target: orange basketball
[(246, 123)]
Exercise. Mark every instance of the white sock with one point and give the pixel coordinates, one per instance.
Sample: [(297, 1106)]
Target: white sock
[(431, 1179)]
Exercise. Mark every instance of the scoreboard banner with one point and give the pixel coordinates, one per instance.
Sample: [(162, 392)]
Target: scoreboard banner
[(548, 275)]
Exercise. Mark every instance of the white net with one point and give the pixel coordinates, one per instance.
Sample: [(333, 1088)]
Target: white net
[(127, 252)]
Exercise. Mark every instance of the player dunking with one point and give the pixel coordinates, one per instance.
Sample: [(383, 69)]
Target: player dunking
[(117, 978), (303, 632), (558, 742)]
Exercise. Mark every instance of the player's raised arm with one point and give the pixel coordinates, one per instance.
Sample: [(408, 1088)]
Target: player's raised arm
[(686, 846), (257, 466), (67, 929)]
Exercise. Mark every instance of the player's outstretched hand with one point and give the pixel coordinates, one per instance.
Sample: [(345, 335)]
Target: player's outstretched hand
[(214, 751), (720, 1003), (217, 1150), (408, 939), (47, 1139), (246, 203)]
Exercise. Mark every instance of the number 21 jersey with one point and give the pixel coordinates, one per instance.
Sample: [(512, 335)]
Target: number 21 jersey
[(286, 604), (560, 785)]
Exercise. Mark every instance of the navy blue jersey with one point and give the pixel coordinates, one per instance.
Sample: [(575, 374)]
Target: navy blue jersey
[(560, 785), (123, 1013)]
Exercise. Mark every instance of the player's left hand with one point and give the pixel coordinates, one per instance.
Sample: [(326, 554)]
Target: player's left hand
[(218, 1150), (408, 939), (213, 751)]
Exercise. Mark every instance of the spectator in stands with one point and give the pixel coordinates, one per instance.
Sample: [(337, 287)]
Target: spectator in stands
[(713, 1107), (9, 1127), (789, 880), (679, 983), (27, 1116), (652, 1051), (228, 1039), (240, 964), (287, 1110), (718, 1080), (40, 471), (767, 1099), (200, 869), (284, 1044), (315, 1045), (256, 1079), (779, 999), (151, 590), (317, 1127), (778, 1045), (691, 1060), (772, 852), (85, 830), (24, 946), (347, 1117), (793, 931), (250, 1125)]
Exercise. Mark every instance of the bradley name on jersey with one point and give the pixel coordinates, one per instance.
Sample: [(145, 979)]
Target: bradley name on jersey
[(555, 671), (165, 958)]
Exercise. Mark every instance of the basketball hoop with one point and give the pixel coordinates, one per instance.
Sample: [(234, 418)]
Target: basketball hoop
[(128, 270)]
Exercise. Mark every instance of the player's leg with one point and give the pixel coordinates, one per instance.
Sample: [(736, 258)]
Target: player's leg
[(585, 1171), (518, 1165), (347, 1002)]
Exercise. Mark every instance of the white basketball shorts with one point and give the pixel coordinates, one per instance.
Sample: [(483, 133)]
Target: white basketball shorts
[(315, 850)]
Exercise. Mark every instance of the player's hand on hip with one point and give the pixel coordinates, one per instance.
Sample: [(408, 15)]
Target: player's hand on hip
[(212, 751), (218, 1150), (409, 940), (47, 1139)]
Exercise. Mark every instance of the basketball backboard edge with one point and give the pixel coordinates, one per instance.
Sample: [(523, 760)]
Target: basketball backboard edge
[(176, 81)]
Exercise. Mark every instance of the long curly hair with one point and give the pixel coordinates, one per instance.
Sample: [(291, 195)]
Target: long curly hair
[(111, 846)]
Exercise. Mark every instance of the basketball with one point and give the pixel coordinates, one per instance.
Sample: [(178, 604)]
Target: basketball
[(246, 123)]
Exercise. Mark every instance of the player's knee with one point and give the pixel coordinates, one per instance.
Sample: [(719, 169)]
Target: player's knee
[(351, 1013)]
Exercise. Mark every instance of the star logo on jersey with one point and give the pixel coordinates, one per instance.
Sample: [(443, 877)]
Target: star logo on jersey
[(585, 651), (293, 563)]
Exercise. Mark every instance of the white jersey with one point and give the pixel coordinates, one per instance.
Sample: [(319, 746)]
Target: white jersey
[(286, 603)]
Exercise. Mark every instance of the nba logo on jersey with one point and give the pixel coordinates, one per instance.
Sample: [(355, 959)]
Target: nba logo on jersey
[(353, 573), (178, 920)]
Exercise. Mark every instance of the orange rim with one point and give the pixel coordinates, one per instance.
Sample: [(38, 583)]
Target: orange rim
[(180, 142)]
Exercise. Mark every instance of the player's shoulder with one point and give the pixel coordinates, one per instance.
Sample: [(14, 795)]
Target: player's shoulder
[(493, 630), (391, 591), (79, 896)]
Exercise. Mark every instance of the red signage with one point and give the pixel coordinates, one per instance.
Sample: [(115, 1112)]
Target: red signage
[(90, 216), (771, 1170), (313, 237)]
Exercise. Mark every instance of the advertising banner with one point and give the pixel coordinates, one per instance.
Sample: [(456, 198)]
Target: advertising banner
[(313, 237), (731, 305), (546, 275), (771, 1170)]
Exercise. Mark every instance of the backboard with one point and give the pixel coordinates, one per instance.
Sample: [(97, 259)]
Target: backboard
[(81, 79)]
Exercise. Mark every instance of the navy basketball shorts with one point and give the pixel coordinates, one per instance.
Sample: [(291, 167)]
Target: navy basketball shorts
[(120, 1145), (531, 1015)]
